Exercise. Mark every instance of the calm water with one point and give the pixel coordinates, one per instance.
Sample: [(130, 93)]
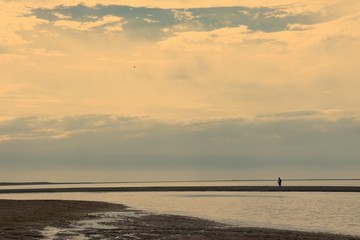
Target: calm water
[(325, 212), (203, 183)]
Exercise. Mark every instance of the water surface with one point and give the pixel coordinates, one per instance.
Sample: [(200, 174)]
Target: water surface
[(324, 212), (194, 183)]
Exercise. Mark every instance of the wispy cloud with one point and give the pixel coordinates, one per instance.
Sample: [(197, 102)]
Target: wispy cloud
[(107, 22), (206, 19)]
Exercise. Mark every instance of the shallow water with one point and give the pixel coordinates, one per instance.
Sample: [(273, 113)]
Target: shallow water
[(101, 222), (324, 212), (190, 183)]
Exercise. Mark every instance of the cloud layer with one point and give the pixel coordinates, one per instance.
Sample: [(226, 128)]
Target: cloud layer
[(216, 60), (281, 78), (295, 145)]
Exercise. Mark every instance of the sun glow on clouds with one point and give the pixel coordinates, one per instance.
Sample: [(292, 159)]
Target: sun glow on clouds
[(208, 62), (111, 23), (179, 61)]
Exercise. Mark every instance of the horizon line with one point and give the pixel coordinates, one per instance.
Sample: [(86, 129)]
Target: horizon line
[(175, 181)]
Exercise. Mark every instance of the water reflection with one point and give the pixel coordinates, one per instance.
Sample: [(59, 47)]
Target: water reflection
[(190, 183), (324, 212), (228, 196)]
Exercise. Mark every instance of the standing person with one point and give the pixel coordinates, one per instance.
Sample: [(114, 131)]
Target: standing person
[(279, 181)]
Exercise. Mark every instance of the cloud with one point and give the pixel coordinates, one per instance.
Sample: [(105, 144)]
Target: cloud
[(179, 3), (110, 23), (259, 19), (206, 39), (14, 21), (294, 114), (214, 61), (237, 146), (61, 16), (298, 27), (230, 88), (134, 135), (10, 58), (182, 15), (31, 128), (149, 20), (43, 52)]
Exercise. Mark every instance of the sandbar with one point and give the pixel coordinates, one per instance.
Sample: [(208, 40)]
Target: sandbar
[(190, 189)]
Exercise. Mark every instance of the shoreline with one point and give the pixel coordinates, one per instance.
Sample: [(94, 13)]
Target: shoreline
[(179, 181), (190, 189), (65, 219)]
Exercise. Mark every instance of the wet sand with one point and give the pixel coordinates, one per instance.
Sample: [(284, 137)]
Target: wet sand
[(57, 219), (191, 189)]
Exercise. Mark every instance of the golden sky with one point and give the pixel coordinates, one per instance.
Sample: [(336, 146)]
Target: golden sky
[(177, 62)]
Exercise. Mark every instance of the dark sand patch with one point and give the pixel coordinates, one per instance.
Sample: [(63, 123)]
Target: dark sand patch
[(22, 219), (27, 219)]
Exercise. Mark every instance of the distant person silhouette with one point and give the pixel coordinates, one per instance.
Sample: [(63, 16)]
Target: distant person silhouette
[(279, 181)]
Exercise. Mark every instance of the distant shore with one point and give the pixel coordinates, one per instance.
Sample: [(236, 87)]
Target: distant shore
[(35, 219), (183, 181), (190, 189)]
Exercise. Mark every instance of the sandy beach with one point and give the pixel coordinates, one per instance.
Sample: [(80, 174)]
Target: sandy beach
[(55, 219)]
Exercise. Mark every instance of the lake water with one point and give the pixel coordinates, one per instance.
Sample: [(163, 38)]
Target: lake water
[(324, 212)]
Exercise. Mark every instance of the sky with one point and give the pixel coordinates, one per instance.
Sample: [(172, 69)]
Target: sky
[(120, 90)]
